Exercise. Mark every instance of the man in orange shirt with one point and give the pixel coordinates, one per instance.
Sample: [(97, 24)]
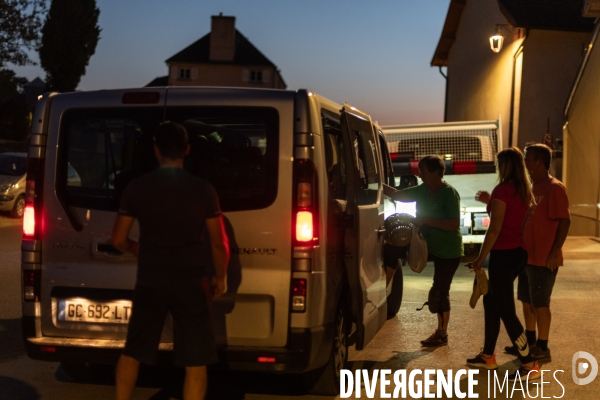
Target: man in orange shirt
[(546, 229)]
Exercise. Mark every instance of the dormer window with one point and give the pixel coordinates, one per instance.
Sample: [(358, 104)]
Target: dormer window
[(184, 74), (256, 76)]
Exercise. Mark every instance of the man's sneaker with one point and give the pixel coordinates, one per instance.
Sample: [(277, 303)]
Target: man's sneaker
[(435, 340), (539, 355), (512, 350), (481, 362), (526, 374)]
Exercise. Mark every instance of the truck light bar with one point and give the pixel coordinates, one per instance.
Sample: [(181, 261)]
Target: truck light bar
[(452, 167)]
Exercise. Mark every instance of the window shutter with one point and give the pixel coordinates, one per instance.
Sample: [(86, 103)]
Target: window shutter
[(173, 72), (194, 74), (246, 75), (266, 76)]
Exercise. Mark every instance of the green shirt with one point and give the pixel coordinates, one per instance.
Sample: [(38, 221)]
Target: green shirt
[(444, 203)]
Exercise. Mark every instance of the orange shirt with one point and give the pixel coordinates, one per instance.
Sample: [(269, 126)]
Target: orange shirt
[(552, 204)]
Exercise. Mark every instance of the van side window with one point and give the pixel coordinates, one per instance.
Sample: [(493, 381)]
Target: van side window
[(365, 151), (388, 169), (334, 155)]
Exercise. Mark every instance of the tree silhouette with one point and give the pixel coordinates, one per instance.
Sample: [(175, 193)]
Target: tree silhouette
[(19, 29), (69, 38)]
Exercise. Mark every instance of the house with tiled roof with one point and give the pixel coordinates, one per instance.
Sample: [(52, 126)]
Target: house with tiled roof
[(524, 75), (223, 57)]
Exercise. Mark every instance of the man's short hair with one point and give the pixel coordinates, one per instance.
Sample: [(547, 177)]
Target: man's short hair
[(540, 151), (433, 163), (171, 139)]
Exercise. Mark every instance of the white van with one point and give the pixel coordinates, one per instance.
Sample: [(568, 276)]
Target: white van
[(300, 183)]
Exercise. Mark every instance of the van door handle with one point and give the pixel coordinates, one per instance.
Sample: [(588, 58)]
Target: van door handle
[(108, 249), (103, 250)]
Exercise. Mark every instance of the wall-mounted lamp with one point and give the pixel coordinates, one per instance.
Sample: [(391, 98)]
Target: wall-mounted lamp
[(497, 40)]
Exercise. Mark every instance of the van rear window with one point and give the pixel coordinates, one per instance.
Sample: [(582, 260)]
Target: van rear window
[(234, 148)]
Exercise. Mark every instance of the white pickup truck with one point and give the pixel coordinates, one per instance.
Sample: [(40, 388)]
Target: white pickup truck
[(468, 149)]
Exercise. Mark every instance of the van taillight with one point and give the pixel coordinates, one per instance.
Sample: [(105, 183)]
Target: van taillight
[(306, 215), (299, 295), (33, 198), (29, 221), (304, 226), (31, 284)]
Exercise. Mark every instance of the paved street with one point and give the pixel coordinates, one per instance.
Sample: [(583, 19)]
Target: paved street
[(574, 328)]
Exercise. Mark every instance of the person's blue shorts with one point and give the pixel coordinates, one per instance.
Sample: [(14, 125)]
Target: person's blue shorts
[(189, 304), (535, 285)]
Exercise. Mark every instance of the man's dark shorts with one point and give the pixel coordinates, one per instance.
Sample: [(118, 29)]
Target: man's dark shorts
[(535, 285), (188, 302)]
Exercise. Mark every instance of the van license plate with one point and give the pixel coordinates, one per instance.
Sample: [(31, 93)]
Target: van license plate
[(81, 310)]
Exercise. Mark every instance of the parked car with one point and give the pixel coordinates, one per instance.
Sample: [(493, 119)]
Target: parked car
[(13, 169)]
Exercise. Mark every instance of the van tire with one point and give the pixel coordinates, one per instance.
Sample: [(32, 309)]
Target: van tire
[(325, 381), (19, 207), (78, 372), (394, 300)]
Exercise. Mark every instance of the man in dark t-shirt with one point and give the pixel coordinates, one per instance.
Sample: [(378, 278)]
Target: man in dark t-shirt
[(173, 208)]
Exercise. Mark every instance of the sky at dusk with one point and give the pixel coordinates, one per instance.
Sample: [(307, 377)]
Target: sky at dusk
[(374, 55)]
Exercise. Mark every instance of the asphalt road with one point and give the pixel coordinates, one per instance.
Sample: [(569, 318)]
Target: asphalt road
[(396, 347)]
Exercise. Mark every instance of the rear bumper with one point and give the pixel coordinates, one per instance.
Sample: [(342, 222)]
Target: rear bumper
[(307, 349)]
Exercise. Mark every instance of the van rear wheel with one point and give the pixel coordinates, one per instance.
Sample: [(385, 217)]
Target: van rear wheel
[(325, 381), (394, 300)]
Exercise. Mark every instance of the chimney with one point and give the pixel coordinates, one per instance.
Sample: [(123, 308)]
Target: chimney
[(222, 38)]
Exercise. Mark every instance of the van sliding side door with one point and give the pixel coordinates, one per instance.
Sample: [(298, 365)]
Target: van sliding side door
[(365, 220)]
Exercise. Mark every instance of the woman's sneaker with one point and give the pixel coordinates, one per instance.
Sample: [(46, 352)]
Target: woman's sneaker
[(512, 350), (435, 340), (482, 362), (526, 374)]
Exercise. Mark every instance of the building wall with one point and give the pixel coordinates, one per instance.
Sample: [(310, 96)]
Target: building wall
[(479, 80), (224, 75), (551, 60), (581, 156)]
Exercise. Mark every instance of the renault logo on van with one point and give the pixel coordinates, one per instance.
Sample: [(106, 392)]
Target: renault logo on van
[(251, 251), (72, 246)]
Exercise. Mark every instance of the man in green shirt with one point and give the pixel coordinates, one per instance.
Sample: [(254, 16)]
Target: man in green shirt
[(438, 214)]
